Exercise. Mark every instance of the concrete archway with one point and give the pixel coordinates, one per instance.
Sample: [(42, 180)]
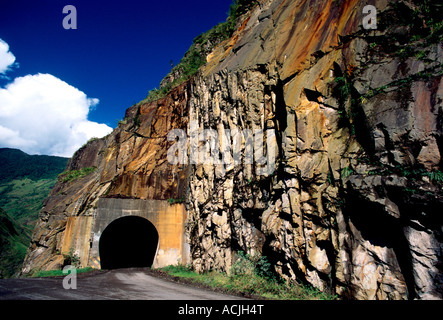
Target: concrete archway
[(84, 233), (129, 241)]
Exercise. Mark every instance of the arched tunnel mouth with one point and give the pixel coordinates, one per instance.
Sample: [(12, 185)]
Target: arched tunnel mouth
[(128, 242)]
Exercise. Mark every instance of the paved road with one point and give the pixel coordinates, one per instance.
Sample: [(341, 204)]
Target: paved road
[(119, 284)]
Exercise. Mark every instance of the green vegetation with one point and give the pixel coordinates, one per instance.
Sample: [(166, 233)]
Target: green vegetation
[(14, 241), (22, 198), (346, 172), (16, 164), (71, 259), (173, 201), (193, 59), (91, 140), (427, 74), (342, 92), (202, 45), (25, 181), (406, 30), (413, 173), (411, 28), (72, 175), (350, 103), (238, 8), (250, 275), (56, 273), (435, 176), (253, 264)]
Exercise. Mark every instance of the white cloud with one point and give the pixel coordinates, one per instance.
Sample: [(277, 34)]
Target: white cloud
[(41, 114), (7, 59)]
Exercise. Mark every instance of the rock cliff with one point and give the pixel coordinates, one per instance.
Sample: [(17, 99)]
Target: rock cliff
[(345, 192)]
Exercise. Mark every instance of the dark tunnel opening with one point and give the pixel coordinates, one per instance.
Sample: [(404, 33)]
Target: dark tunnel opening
[(128, 242)]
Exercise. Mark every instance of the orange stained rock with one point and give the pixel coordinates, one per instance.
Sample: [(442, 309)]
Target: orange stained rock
[(313, 28)]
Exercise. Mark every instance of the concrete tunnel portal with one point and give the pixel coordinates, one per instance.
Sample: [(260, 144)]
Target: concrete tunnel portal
[(129, 241), (131, 233)]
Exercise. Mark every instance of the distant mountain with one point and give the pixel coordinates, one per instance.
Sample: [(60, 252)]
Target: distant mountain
[(15, 163), (25, 181)]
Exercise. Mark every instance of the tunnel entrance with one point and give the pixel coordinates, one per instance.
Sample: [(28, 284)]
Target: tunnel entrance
[(128, 242)]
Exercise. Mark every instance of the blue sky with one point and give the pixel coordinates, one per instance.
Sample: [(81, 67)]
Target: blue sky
[(119, 51)]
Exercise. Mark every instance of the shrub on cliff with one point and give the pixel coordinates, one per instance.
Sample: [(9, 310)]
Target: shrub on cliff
[(73, 175), (201, 46), (247, 264), (238, 8)]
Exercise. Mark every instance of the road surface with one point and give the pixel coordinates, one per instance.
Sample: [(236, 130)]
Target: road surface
[(118, 284)]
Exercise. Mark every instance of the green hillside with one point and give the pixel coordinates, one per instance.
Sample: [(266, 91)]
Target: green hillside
[(17, 164), (22, 198), (14, 240), (25, 181)]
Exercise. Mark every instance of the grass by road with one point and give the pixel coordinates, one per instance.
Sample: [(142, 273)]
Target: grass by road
[(249, 276), (248, 284), (57, 273)]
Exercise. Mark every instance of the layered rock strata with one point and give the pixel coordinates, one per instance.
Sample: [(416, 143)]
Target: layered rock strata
[(346, 192)]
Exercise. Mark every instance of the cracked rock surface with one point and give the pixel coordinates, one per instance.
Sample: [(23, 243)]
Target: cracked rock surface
[(353, 205)]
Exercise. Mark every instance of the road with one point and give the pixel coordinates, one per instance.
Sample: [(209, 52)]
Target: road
[(118, 284)]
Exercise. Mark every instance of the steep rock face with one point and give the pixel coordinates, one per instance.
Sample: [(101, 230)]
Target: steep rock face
[(345, 192), (342, 210), (131, 162)]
